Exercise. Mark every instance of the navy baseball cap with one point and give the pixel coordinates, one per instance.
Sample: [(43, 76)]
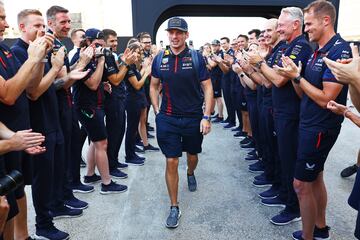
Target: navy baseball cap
[(215, 42), (177, 23), (93, 33)]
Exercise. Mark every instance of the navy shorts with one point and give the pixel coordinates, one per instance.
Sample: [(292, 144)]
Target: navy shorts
[(313, 149), (93, 122), (216, 83), (178, 134)]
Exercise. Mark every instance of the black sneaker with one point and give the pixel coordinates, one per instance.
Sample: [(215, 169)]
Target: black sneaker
[(285, 217), (251, 144), (226, 121), (218, 120), (121, 165), (51, 233), (269, 194), (112, 187), (92, 179), (173, 219), (75, 203), (229, 126), (135, 162), (65, 212), (151, 148), (319, 233), (262, 183), (81, 188), (139, 150), (191, 183), (257, 167), (150, 136), (347, 172), (237, 129), (150, 128), (116, 173), (274, 202), (239, 134)]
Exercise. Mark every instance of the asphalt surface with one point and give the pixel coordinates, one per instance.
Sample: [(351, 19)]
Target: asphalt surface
[(225, 206)]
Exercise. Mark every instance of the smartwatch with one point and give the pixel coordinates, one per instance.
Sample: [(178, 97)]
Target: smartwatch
[(207, 118), (258, 64), (297, 79)]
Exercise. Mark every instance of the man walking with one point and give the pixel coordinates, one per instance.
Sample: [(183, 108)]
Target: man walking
[(181, 122)]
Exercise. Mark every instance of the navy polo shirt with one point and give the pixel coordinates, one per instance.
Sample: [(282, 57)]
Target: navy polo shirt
[(313, 116), (44, 112), (132, 93), (15, 117), (216, 73), (84, 97), (111, 68), (286, 102), (271, 60), (228, 77), (64, 95), (182, 94)]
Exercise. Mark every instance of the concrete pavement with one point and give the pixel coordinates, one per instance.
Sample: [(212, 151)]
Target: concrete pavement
[(225, 206)]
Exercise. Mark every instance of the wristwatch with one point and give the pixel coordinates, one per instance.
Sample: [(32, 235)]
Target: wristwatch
[(207, 118), (258, 64), (122, 63), (242, 75), (297, 79)]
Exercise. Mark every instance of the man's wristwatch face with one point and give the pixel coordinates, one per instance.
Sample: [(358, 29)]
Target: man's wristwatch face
[(258, 64)]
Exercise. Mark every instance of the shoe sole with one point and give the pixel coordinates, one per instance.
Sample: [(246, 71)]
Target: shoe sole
[(267, 197), (273, 205), (111, 192), (92, 183), (67, 216), (152, 150), (71, 207), (315, 238), (239, 137), (117, 177), (37, 237), (286, 223), (135, 164), (81, 191), (176, 224), (261, 186)]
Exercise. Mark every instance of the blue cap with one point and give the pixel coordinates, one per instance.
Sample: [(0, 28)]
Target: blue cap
[(93, 33), (177, 23)]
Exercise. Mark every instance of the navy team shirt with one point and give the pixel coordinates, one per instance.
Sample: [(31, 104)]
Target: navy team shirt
[(216, 73), (271, 60), (84, 97), (44, 112), (111, 68), (182, 94), (15, 117), (314, 117), (286, 102)]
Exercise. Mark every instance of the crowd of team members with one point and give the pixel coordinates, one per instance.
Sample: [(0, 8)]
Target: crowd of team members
[(271, 81), (280, 90), (88, 84)]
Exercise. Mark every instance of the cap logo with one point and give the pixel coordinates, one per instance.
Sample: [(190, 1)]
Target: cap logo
[(175, 22)]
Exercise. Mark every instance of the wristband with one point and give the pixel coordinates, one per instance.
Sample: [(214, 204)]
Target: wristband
[(297, 79), (258, 64), (207, 118)]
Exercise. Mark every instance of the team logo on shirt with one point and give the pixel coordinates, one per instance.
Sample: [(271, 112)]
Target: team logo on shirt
[(167, 52), (7, 54), (165, 60)]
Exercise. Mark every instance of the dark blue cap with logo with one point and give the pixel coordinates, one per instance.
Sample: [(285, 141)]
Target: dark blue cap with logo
[(177, 23), (93, 33)]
